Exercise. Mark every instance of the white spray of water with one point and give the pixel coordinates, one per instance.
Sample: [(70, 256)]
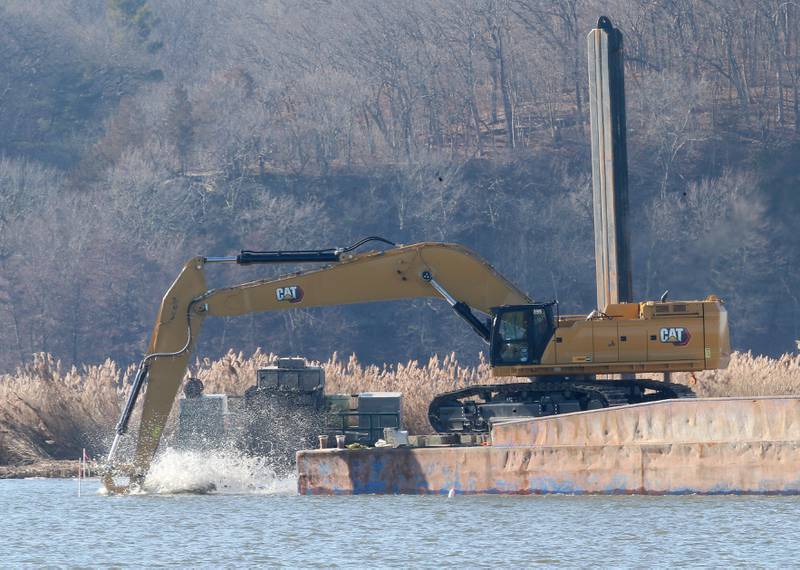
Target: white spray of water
[(182, 471)]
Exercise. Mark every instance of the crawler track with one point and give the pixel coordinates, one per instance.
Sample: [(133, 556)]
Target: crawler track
[(474, 409)]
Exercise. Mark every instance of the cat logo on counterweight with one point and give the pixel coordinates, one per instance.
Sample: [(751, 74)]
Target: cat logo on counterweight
[(679, 336)]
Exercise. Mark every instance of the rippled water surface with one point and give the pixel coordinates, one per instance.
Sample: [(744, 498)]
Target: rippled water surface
[(45, 522)]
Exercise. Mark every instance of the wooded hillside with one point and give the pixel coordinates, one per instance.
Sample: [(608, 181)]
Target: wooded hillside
[(135, 134)]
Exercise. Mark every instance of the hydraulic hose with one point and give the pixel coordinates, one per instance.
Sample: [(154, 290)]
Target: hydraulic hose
[(138, 382)]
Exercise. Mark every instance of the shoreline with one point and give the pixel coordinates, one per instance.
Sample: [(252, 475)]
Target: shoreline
[(46, 468)]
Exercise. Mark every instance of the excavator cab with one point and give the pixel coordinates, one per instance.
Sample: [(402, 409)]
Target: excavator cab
[(520, 333)]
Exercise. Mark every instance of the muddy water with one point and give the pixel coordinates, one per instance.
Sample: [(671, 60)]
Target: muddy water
[(256, 519)]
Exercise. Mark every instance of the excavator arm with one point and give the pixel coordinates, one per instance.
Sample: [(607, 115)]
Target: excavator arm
[(446, 271)]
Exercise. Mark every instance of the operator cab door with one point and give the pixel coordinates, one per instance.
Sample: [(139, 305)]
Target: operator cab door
[(521, 333)]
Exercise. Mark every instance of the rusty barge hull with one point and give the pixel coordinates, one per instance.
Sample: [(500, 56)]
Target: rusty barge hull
[(704, 446)]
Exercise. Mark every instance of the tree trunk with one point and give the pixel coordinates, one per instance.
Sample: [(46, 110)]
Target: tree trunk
[(505, 86), (493, 66)]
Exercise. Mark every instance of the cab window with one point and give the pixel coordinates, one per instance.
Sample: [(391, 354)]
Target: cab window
[(513, 333)]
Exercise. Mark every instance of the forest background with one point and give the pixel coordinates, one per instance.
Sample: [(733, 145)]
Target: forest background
[(137, 134)]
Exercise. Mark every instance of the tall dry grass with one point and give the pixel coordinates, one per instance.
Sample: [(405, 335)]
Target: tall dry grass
[(49, 411), (748, 375)]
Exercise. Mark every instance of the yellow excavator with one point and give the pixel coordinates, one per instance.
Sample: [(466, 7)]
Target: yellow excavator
[(561, 355)]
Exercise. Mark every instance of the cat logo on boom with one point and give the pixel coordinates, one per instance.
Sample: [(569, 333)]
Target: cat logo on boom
[(679, 336), (292, 294)]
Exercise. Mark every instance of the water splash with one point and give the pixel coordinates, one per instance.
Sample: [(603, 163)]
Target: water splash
[(223, 471)]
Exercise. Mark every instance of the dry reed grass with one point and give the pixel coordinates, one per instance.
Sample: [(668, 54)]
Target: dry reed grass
[(49, 411), (748, 375)]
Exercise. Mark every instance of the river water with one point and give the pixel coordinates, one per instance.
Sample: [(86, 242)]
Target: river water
[(255, 519)]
